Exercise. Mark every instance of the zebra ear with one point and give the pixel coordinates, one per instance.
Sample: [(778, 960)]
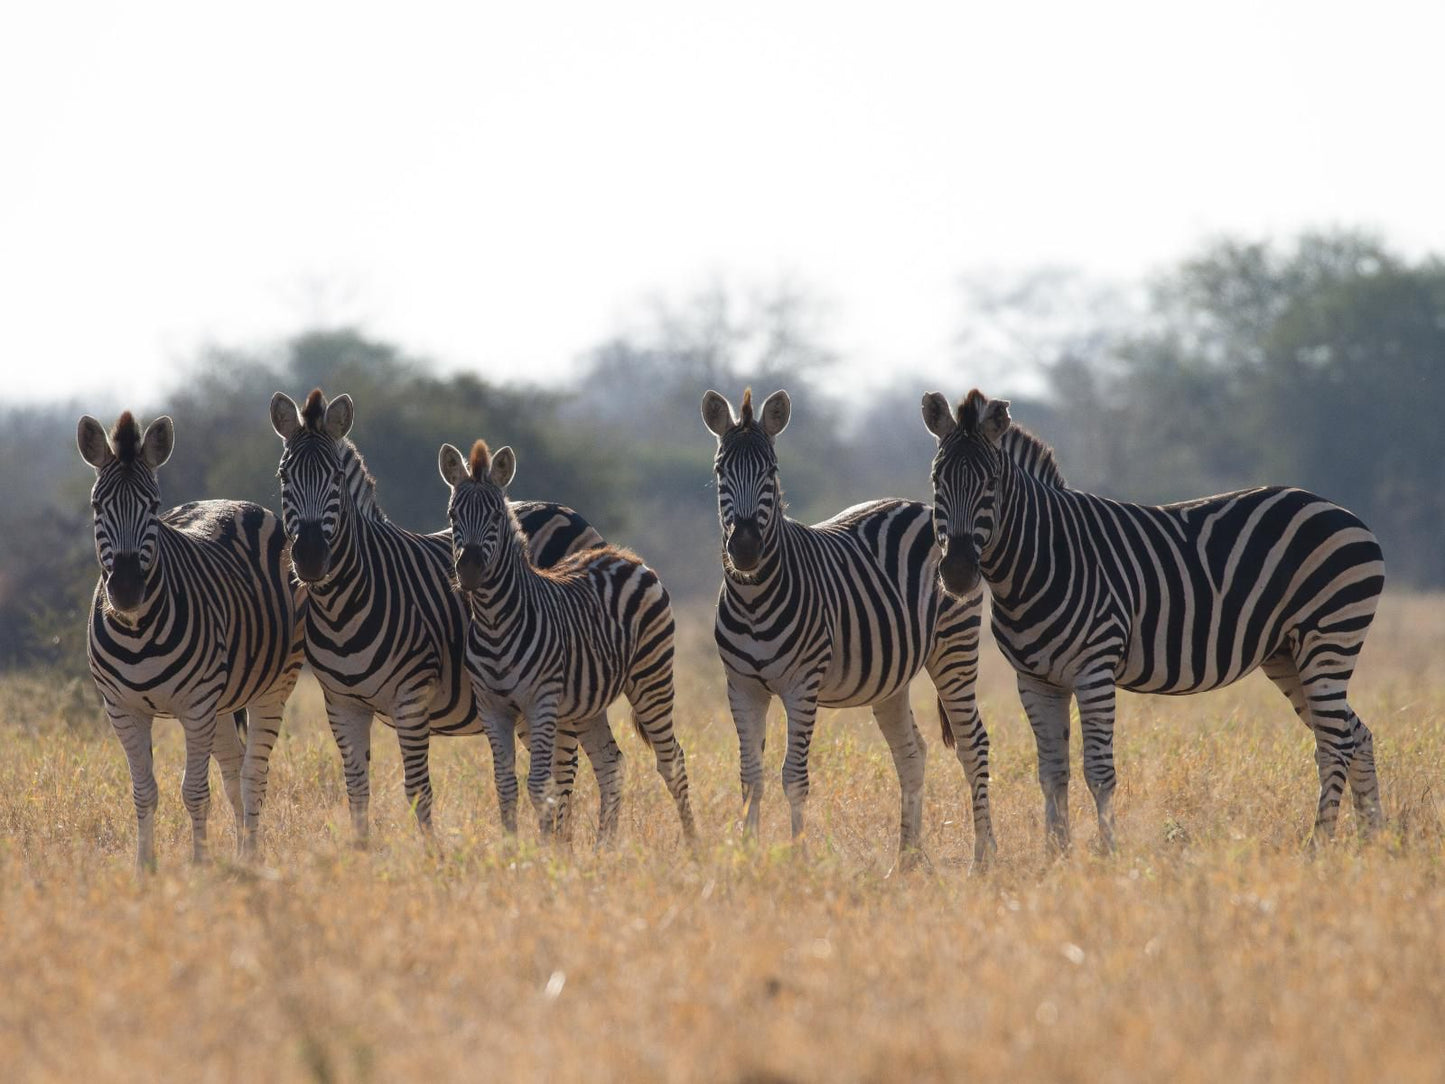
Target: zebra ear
[(339, 416), (995, 420), (717, 415), (777, 408), (285, 418), (90, 439), (453, 466), (937, 415), (504, 467), (156, 445)]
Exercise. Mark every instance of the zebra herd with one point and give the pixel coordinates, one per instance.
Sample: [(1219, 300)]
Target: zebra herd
[(520, 621)]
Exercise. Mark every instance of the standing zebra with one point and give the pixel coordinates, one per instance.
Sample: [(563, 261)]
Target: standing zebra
[(193, 617), (1090, 594), (385, 631), (841, 614), (556, 646)]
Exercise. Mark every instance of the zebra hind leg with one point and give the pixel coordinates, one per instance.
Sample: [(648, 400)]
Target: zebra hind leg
[(228, 748), (895, 719), (607, 761), (970, 742), (1364, 783), (564, 779), (1316, 691), (651, 701)]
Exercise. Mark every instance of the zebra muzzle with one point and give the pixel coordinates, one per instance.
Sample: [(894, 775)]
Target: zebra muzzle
[(959, 567), (310, 553), (745, 545), (469, 568), (125, 585)]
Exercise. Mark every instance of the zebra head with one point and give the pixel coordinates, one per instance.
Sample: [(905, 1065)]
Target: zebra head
[(478, 507), (749, 498), (313, 476), (126, 500), (965, 478)]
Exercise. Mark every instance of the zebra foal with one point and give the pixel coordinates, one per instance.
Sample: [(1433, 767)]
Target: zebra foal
[(841, 614), (554, 647), (1092, 594), (193, 616), (384, 631)]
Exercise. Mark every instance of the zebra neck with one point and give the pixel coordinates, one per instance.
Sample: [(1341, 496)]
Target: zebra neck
[(510, 590), (772, 564), (1024, 529)]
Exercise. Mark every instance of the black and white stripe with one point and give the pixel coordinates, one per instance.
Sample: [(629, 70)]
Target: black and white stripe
[(1092, 594), (841, 614), (552, 648), (385, 631), (194, 616)]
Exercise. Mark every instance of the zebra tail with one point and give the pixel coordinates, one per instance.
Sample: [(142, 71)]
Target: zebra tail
[(641, 733), (944, 725), (240, 718)]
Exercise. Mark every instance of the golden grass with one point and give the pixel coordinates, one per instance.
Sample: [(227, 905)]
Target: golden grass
[(1208, 947)]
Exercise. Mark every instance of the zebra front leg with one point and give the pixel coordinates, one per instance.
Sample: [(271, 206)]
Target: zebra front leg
[(228, 747), (261, 735), (502, 737), (564, 778), (200, 731), (802, 708), (895, 719), (749, 702), (1047, 707), (351, 727), (413, 735), (1095, 696), (542, 739), (134, 732), (607, 761)]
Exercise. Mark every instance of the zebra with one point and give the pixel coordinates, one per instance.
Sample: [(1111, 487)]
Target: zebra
[(385, 633), (193, 616), (555, 646), (840, 614), (1092, 594)]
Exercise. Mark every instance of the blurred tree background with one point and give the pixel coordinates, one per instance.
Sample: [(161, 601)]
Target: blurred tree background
[(1319, 362)]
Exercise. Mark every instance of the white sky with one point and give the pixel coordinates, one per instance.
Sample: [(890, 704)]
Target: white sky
[(498, 185)]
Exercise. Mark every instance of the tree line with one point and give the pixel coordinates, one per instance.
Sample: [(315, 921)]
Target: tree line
[(1318, 362)]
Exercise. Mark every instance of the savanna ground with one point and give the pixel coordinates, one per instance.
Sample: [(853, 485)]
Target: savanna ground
[(1209, 947)]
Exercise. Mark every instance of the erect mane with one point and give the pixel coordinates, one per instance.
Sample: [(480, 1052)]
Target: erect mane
[(970, 412), (1033, 456), (746, 412), (480, 461), (313, 414), (125, 438)]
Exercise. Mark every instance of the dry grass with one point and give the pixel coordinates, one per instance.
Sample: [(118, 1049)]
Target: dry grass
[(1209, 947)]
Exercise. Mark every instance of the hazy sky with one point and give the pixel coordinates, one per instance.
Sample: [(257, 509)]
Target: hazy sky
[(498, 185)]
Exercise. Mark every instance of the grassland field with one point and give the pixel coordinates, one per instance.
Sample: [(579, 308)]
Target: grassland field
[(1211, 946)]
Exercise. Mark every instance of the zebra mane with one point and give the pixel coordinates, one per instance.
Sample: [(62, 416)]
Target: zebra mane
[(1033, 456), (480, 461), (359, 482), (125, 438)]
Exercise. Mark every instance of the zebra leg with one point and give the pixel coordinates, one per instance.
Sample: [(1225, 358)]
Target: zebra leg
[(955, 685), (230, 753), (749, 702), (502, 736), (1096, 726), (651, 700), (261, 737), (1364, 783), (895, 719), (802, 708), (134, 732), (200, 733), (607, 762), (542, 738), (413, 735), (1047, 707), (1317, 693), (564, 778), (351, 727)]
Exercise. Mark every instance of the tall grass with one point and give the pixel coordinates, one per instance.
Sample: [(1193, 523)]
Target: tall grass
[(1210, 946)]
